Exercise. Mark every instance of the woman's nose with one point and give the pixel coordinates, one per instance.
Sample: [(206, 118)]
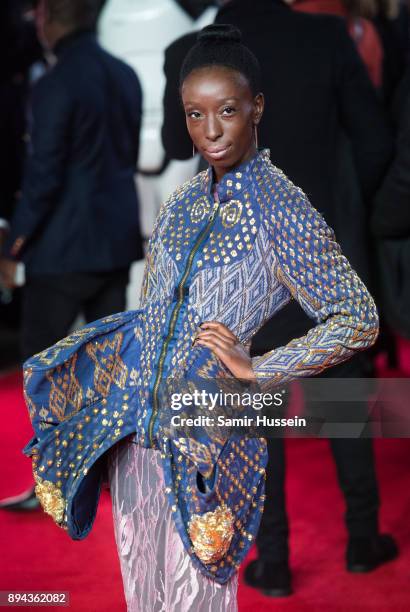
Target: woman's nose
[(213, 129)]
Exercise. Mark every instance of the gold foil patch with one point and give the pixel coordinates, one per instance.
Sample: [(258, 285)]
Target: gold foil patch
[(211, 533), (51, 499)]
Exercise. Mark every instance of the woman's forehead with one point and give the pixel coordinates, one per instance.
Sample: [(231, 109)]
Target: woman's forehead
[(220, 81)]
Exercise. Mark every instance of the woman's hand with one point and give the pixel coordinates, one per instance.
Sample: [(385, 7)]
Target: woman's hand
[(226, 346)]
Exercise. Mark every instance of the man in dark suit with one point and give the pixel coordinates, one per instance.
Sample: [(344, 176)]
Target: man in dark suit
[(321, 117), (391, 220), (19, 50), (391, 213), (76, 226)]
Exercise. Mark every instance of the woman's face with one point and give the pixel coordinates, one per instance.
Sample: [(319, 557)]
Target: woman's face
[(221, 113)]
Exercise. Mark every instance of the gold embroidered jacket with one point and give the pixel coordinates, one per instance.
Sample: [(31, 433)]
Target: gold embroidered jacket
[(237, 259)]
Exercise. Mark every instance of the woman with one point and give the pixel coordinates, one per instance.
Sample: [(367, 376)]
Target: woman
[(229, 249)]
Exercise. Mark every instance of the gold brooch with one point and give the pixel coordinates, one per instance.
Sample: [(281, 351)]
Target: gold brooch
[(211, 533)]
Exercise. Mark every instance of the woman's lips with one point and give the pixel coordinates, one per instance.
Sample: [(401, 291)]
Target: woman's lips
[(217, 152)]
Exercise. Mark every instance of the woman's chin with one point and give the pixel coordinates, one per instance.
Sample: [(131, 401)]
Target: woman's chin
[(221, 158)]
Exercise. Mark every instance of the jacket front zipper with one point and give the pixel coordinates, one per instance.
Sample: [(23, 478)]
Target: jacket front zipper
[(174, 316)]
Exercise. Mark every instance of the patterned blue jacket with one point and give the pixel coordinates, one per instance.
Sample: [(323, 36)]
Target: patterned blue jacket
[(237, 259)]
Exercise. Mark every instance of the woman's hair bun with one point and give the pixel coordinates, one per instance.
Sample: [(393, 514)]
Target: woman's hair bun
[(221, 45), (220, 33)]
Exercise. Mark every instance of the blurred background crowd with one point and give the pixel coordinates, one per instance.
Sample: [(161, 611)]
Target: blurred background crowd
[(91, 146), (140, 32)]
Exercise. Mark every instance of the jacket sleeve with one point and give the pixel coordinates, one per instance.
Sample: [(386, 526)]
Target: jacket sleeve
[(51, 114), (309, 262)]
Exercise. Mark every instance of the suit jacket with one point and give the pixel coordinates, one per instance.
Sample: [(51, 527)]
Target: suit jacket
[(12, 98), (237, 259), (391, 212), (316, 88), (19, 49), (79, 208), (391, 223)]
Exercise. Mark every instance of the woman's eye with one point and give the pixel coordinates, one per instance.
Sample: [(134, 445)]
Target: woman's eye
[(228, 110), (193, 114)]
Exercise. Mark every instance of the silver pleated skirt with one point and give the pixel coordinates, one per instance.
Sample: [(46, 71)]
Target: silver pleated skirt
[(157, 572)]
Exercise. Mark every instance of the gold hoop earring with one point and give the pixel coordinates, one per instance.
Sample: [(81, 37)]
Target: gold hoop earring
[(255, 130)]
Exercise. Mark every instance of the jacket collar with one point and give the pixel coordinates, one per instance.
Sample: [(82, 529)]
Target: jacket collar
[(70, 39), (235, 181)]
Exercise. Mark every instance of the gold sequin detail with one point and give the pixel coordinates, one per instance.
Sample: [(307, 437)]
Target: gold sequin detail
[(50, 355), (201, 208), (231, 213), (211, 533), (51, 499)]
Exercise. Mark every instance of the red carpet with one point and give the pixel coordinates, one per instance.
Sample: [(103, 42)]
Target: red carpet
[(36, 555)]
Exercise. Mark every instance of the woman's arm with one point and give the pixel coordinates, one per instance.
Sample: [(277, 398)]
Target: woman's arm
[(309, 262)]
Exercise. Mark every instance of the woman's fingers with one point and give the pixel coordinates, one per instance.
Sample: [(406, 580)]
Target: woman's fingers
[(216, 337), (219, 351), (216, 340), (231, 356), (224, 344), (218, 327)]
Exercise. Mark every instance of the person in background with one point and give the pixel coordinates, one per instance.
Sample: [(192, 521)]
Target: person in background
[(317, 98), (358, 14), (76, 226), (391, 211), (392, 23), (19, 51), (390, 222)]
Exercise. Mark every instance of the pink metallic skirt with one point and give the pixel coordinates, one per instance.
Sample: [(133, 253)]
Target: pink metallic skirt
[(157, 572)]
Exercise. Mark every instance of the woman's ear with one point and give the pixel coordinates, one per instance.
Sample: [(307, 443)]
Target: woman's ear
[(258, 106)]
